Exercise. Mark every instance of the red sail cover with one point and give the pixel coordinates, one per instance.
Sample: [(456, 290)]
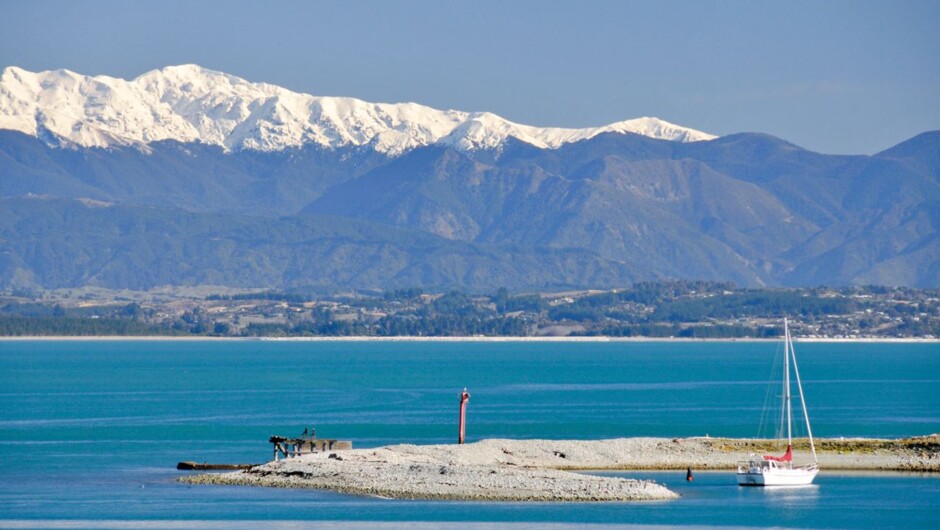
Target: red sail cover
[(787, 457)]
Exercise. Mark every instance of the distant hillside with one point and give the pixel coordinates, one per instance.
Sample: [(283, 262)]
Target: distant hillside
[(749, 208), (601, 212), (67, 243), (194, 177)]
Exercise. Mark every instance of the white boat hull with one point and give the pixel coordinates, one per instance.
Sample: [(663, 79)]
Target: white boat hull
[(777, 476)]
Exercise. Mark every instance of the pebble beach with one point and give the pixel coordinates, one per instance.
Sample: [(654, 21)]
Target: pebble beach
[(553, 470)]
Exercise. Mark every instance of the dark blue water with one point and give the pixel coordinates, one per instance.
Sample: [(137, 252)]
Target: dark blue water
[(91, 431)]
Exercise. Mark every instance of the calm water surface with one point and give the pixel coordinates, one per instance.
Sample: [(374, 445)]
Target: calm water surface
[(90, 431)]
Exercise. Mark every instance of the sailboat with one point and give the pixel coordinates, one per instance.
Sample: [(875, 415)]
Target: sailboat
[(779, 470)]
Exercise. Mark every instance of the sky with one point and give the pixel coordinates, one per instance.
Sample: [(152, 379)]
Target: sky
[(840, 77)]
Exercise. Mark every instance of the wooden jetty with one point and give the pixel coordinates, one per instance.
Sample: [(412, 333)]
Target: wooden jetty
[(284, 447), (290, 447), (193, 466)]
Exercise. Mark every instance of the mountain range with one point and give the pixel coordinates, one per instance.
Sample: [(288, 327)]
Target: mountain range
[(191, 104), (187, 176)]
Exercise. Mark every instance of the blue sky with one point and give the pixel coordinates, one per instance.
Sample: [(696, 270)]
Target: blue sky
[(831, 76)]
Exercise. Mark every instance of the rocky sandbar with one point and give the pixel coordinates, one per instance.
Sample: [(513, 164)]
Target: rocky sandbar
[(544, 470)]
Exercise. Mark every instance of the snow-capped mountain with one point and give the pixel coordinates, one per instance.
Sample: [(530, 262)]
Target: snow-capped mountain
[(189, 103)]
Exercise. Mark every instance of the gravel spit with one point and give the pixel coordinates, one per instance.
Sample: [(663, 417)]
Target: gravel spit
[(544, 470)]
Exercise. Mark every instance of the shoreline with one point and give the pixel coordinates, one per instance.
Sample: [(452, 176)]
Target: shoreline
[(553, 470), (593, 339)]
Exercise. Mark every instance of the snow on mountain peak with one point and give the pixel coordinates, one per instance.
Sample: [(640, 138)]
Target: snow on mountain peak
[(189, 103)]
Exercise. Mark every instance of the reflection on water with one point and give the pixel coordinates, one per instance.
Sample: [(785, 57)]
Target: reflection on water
[(792, 497)]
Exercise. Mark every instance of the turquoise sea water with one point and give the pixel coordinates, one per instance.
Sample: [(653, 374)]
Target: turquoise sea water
[(90, 431)]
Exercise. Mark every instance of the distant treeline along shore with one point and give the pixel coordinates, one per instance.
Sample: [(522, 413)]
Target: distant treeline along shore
[(681, 309)]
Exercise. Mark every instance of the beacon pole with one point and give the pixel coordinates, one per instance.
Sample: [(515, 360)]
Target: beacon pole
[(464, 398)]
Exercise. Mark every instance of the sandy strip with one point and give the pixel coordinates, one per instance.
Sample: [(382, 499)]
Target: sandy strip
[(543, 470)]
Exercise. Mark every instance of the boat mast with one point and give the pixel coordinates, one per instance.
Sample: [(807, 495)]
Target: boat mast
[(799, 385), (786, 380)]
